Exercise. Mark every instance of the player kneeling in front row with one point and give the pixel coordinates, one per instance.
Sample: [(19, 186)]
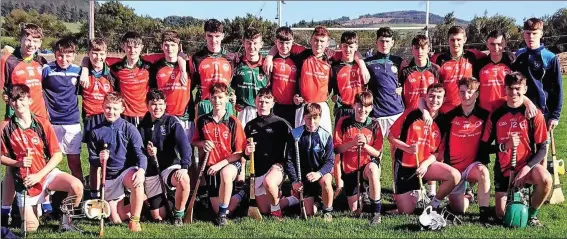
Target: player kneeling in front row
[(362, 132), (222, 137), (126, 162), (415, 152), (168, 139), (268, 132), (31, 150), (510, 128), (311, 172), (463, 130)]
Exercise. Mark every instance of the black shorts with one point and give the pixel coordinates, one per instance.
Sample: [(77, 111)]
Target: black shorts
[(405, 180), (90, 123), (500, 181), (135, 120), (341, 111), (349, 180), (214, 181), (287, 112), (311, 189)]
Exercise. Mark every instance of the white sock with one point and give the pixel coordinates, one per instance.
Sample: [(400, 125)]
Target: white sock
[(433, 189), (274, 208), (292, 200)]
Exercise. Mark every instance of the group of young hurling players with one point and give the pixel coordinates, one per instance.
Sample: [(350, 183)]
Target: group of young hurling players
[(443, 116)]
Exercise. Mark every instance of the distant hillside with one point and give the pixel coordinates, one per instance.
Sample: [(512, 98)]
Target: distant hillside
[(369, 20), (68, 10)]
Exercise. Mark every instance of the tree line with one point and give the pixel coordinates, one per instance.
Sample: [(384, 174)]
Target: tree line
[(112, 19)]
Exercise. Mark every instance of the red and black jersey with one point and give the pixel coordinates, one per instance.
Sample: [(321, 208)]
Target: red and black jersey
[(133, 84), (462, 136), (346, 81), (506, 120), (415, 80), (347, 130), (19, 71), (284, 79), (208, 68), (100, 84), (166, 76), (491, 76), (228, 136), (451, 71), (410, 128), (40, 138)]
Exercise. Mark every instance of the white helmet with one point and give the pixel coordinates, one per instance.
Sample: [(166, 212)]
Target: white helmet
[(431, 220)]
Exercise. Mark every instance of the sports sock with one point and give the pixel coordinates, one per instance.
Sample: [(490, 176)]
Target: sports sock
[(135, 218), (329, 209), (222, 209), (179, 213), (292, 200), (433, 189), (377, 204), (95, 194), (274, 208), (483, 211), (532, 212), (240, 195)]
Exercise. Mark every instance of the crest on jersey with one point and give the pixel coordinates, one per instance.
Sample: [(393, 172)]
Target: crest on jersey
[(431, 80), (225, 135), (394, 69), (106, 87), (35, 140), (293, 68), (261, 77), (162, 130), (434, 134), (225, 67), (74, 80)]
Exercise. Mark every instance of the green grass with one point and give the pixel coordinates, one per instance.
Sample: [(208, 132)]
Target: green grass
[(73, 27), (553, 216)]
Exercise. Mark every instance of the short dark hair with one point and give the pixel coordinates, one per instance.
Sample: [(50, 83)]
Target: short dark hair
[(114, 97), (349, 37), (364, 98), (471, 83), (454, 30), (170, 35), (65, 45), (131, 37), (496, 34), (251, 33), (30, 29), (97, 44), (533, 23), (154, 94), (18, 91), (384, 32), (218, 87), (284, 34), (514, 78), (438, 87), (320, 31), (420, 40), (265, 92), (213, 25), (312, 109)]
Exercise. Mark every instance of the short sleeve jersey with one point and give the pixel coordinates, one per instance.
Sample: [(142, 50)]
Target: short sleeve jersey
[(227, 135), (347, 130)]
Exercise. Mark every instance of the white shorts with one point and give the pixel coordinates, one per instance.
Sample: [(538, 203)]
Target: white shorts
[(41, 197), (114, 189), (247, 114), (259, 189), (189, 127), (70, 138), (152, 185), (325, 117), (386, 123), (460, 188)]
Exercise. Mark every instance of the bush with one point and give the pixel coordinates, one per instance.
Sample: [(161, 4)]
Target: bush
[(10, 41)]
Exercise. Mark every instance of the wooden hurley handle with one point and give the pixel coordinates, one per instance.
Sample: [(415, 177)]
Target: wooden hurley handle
[(252, 171)]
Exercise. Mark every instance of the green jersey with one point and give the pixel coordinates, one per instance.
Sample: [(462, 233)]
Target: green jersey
[(248, 79)]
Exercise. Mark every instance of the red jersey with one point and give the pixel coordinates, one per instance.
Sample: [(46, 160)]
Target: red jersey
[(133, 84), (228, 136), (18, 71), (284, 79), (40, 138), (506, 120), (346, 130), (451, 71), (166, 76), (100, 84), (462, 136), (491, 76), (415, 80), (410, 128), (207, 68), (346, 81)]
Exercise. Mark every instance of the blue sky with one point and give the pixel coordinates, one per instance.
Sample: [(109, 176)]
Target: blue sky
[(294, 11)]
